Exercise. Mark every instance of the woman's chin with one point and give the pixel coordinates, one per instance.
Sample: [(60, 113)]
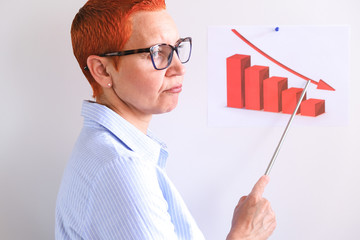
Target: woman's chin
[(167, 108)]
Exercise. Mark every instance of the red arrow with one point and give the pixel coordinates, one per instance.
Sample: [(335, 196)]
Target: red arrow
[(320, 85)]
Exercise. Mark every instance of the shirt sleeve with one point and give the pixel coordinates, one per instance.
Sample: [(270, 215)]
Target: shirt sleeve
[(126, 202)]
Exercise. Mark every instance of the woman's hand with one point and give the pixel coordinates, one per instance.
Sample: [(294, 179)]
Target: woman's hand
[(253, 217)]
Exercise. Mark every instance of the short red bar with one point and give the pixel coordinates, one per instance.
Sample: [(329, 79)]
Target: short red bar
[(312, 107), (235, 68), (254, 78), (273, 88), (290, 99)]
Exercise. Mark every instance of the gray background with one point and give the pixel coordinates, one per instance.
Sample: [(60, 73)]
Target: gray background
[(314, 188)]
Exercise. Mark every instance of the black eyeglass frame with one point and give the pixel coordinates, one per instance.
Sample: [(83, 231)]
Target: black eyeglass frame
[(151, 50)]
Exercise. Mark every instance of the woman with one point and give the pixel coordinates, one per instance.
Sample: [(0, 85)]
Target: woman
[(115, 186)]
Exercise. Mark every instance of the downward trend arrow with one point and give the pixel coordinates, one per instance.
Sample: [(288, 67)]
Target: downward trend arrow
[(320, 85)]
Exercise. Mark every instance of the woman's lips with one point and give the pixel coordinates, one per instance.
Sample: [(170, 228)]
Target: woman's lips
[(175, 89)]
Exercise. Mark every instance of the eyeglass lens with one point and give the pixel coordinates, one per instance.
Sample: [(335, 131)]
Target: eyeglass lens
[(162, 54)]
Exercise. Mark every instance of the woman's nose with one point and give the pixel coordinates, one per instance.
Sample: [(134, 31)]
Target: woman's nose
[(176, 67)]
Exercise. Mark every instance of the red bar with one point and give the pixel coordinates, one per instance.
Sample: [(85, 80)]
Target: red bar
[(235, 68), (272, 93), (290, 98), (312, 107), (254, 78)]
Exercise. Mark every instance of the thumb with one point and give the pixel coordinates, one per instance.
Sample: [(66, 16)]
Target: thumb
[(259, 187), (242, 199)]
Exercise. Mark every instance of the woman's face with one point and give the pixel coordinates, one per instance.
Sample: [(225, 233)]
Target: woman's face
[(139, 86)]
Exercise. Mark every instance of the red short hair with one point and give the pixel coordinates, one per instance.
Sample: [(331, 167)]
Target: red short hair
[(103, 26)]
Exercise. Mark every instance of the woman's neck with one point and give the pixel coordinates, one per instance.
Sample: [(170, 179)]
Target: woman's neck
[(140, 120)]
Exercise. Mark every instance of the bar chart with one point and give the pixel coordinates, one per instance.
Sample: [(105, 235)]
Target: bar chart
[(249, 88)]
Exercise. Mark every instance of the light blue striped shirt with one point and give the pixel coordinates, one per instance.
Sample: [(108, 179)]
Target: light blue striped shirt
[(115, 187)]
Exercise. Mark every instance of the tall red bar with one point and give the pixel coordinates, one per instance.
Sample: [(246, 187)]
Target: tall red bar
[(273, 88), (254, 78), (235, 68), (312, 107), (290, 98)]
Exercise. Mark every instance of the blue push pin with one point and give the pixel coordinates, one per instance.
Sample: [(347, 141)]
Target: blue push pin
[(277, 29)]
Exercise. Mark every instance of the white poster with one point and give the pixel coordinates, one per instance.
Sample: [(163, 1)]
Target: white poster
[(295, 53)]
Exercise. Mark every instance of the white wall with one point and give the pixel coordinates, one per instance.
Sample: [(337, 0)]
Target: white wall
[(313, 190)]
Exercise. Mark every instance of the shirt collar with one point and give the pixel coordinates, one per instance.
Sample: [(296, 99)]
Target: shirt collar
[(147, 146)]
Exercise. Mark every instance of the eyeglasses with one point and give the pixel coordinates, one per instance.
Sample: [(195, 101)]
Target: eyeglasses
[(161, 54)]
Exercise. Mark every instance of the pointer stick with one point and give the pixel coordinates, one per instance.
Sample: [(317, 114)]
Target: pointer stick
[(286, 130)]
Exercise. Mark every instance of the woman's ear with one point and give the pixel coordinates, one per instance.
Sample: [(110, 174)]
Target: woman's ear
[(97, 68)]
